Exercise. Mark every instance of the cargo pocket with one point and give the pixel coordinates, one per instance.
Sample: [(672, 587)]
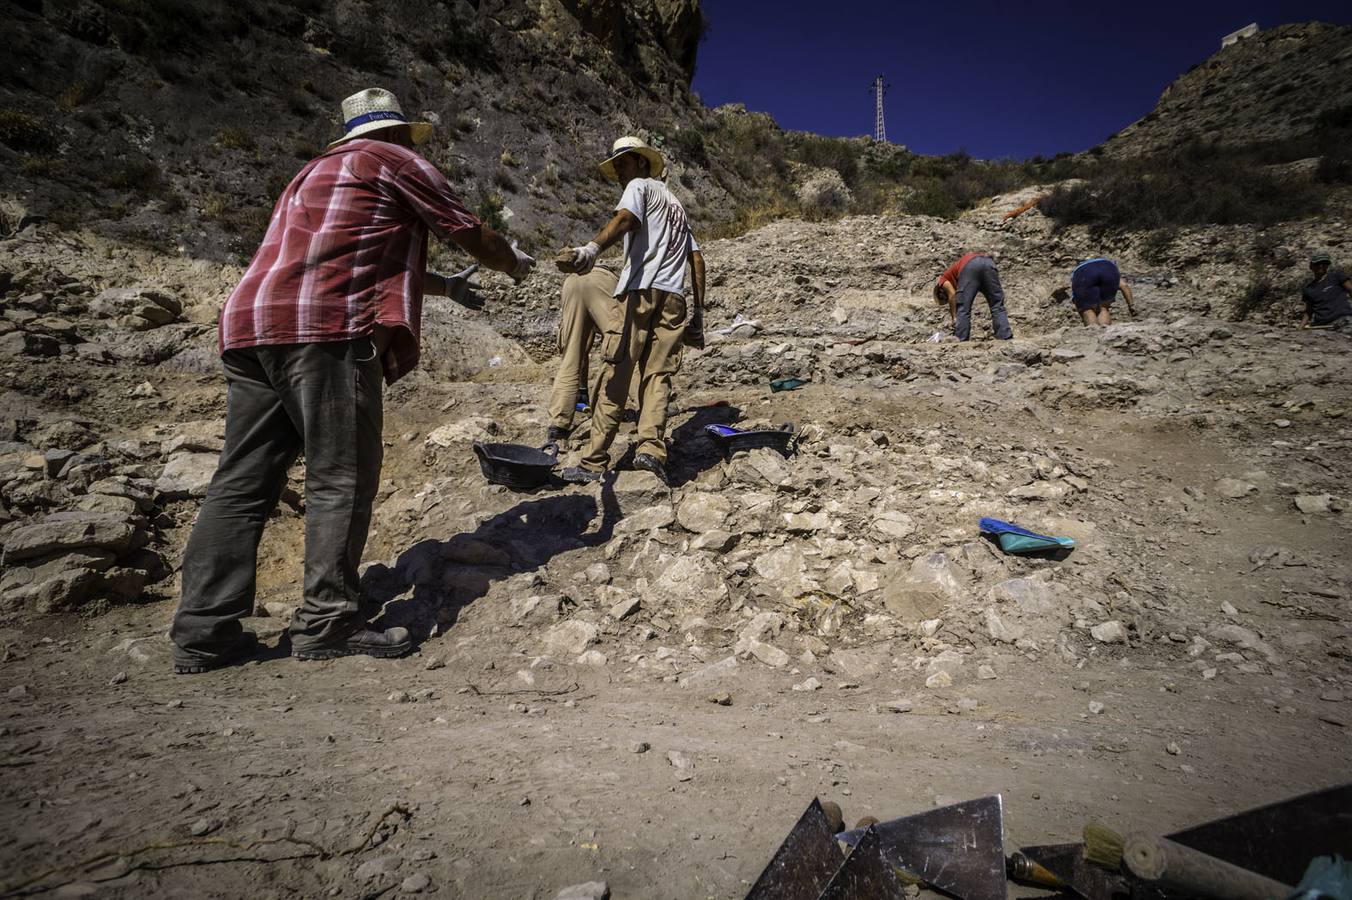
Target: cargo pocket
[(676, 311), (564, 333), (612, 347)]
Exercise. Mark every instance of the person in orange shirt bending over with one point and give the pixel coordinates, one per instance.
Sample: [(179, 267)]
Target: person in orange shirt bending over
[(958, 287)]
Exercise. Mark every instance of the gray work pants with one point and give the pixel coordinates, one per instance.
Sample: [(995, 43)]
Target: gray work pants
[(324, 399), (981, 275)]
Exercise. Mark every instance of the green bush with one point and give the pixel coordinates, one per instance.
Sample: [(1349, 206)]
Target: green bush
[(1185, 188), (155, 28), (361, 41), (828, 153), (689, 146), (20, 131), (135, 173), (489, 210)]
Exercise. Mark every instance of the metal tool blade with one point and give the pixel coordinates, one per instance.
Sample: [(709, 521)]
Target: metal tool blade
[(959, 849), (1280, 839), (865, 875), (803, 864), (1067, 862)]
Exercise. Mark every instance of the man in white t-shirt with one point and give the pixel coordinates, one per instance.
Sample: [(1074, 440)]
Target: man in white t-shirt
[(658, 244)]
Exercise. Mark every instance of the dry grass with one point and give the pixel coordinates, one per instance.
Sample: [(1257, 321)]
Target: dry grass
[(755, 215), (233, 138)]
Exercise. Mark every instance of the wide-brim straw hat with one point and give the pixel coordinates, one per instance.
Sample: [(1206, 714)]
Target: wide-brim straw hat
[(373, 109), (631, 144)]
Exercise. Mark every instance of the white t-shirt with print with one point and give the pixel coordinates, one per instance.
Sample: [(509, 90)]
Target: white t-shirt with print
[(655, 254)]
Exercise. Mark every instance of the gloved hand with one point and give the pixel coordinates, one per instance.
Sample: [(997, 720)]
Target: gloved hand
[(694, 330), (460, 285), (584, 257), (524, 263)]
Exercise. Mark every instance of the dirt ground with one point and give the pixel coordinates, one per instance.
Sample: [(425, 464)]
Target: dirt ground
[(496, 772)]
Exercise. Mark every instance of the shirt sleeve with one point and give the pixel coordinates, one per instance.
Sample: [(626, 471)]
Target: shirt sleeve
[(634, 199), (694, 244), (420, 188)]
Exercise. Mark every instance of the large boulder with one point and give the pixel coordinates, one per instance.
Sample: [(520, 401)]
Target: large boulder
[(463, 431), (649, 518), (567, 640), (703, 511), (28, 343), (920, 591), (783, 572), (187, 475), (70, 531), (687, 584), (760, 467), (823, 192), (137, 308)]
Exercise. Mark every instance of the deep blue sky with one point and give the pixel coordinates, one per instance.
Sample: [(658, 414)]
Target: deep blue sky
[(999, 79)]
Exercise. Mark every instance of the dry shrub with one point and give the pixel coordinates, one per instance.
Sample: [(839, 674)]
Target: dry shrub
[(20, 131)]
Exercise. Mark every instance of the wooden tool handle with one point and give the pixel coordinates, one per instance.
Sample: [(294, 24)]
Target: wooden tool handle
[(1191, 871), (1021, 868)]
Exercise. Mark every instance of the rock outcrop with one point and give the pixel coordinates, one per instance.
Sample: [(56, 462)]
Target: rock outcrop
[(1272, 86)]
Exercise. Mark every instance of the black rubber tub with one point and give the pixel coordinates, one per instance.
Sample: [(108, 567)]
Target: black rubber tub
[(517, 466), (729, 440)]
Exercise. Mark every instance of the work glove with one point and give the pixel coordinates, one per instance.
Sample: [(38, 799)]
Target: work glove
[(460, 287), (524, 263), (694, 330), (584, 257)]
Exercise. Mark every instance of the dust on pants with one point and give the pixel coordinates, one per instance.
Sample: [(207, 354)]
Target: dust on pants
[(649, 340), (325, 399), (980, 275), (589, 308)]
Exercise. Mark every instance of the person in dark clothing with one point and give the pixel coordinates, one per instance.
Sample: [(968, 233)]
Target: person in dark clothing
[(1326, 297), (1093, 288), (959, 285)]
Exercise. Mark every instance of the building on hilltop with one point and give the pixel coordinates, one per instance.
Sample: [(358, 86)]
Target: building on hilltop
[(1235, 37)]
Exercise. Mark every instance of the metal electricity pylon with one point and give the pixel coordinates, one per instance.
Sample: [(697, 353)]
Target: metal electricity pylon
[(879, 129)]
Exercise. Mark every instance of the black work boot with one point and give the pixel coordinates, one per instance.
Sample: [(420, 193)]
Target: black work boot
[(649, 463), (385, 644), (556, 434), (196, 663), (579, 475)]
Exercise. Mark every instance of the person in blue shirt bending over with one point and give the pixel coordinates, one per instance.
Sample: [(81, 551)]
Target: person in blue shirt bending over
[(1093, 288)]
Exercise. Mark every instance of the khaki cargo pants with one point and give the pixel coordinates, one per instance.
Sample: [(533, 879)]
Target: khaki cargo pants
[(589, 308), (647, 340)]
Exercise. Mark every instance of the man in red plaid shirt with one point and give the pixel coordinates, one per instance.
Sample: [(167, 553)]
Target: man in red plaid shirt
[(330, 306)]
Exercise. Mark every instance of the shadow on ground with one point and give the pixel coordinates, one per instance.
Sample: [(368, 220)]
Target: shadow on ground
[(692, 451), (432, 581)]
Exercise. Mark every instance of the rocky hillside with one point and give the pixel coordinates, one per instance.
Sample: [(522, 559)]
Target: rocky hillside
[(1274, 86), (176, 123)]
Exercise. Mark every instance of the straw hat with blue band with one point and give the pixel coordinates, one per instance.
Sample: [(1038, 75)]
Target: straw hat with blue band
[(373, 109), (630, 144)]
